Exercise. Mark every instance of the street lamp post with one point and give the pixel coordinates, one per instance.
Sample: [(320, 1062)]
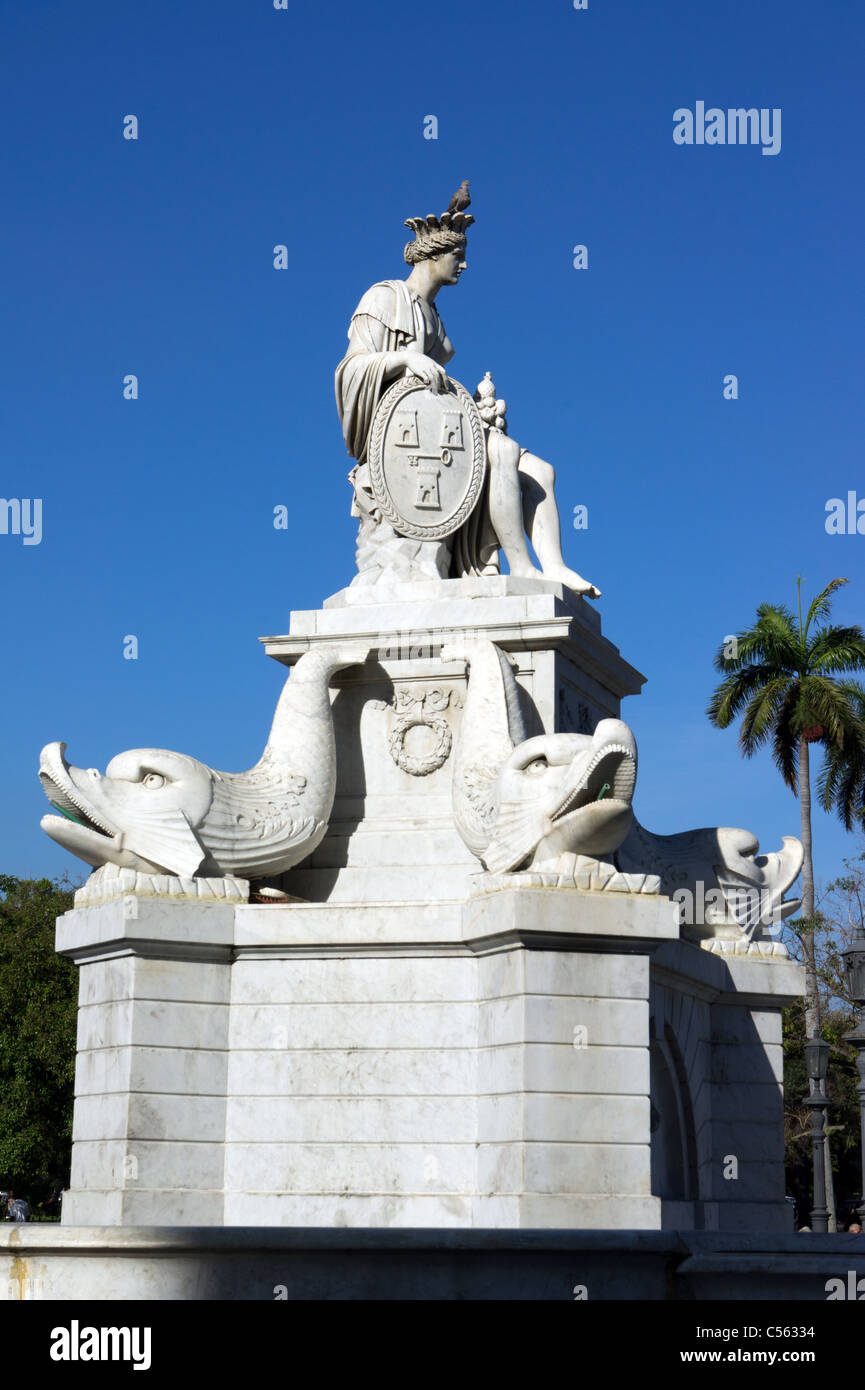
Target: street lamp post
[(817, 1057), (854, 964)]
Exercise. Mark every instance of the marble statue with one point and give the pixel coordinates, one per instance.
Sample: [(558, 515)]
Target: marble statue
[(160, 812), (557, 808), (396, 332), (417, 969)]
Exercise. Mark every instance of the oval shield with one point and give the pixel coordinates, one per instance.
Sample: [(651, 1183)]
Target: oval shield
[(426, 458)]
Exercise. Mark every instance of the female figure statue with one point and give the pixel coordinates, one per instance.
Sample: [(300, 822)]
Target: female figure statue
[(396, 330)]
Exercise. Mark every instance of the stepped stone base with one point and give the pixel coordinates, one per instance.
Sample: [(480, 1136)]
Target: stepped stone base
[(193, 1264)]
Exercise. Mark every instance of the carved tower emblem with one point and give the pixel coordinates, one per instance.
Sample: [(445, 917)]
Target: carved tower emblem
[(426, 458)]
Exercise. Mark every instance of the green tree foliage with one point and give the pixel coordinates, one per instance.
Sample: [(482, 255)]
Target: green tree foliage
[(788, 681), (38, 1006), (842, 1118), (841, 783)]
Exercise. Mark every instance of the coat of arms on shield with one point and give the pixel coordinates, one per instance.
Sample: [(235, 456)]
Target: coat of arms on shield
[(426, 458)]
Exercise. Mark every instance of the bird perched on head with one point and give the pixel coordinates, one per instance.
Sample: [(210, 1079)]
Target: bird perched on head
[(461, 199)]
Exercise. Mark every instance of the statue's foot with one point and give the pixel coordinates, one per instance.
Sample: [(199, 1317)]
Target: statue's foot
[(526, 571), (572, 580)]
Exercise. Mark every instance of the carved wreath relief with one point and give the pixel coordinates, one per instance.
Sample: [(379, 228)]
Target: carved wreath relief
[(421, 708)]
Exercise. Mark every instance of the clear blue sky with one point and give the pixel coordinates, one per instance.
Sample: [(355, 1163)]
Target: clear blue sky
[(305, 127)]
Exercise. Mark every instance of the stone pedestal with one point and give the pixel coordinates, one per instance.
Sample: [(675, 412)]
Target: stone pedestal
[(150, 1077), (487, 1064), (477, 1065), (563, 1074), (410, 1043), (392, 834), (717, 1079)]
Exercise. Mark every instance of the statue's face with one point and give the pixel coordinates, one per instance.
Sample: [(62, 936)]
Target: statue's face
[(450, 266)]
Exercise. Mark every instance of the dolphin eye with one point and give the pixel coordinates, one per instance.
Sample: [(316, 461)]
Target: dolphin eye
[(153, 779), (536, 767)]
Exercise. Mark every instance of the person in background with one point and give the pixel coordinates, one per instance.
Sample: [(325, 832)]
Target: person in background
[(17, 1209)]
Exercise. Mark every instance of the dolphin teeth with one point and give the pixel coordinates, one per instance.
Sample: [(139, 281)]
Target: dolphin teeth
[(61, 810), (625, 771), (64, 800)]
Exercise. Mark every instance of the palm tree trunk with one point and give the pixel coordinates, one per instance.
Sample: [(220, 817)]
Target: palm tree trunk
[(812, 1003), (812, 998)]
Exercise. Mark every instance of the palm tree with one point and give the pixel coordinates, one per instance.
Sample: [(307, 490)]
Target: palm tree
[(841, 783), (784, 677)]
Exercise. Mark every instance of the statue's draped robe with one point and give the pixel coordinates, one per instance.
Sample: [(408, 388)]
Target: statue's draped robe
[(390, 318)]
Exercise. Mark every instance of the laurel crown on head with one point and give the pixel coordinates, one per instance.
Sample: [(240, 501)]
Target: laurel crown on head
[(436, 235)]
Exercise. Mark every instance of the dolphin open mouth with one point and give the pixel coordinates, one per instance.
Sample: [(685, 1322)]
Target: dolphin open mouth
[(152, 838), (610, 776), (596, 815), (590, 792), (754, 884), (65, 796)]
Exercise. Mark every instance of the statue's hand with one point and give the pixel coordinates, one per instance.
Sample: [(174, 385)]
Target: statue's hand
[(434, 376)]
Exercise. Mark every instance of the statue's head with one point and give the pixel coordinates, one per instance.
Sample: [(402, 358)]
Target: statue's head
[(142, 813), (440, 239)]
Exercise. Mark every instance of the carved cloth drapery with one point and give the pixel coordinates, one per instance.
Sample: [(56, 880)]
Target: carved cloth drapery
[(390, 318)]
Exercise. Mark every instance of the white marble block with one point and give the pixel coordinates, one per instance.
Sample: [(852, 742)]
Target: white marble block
[(492, 1063), (150, 1079)]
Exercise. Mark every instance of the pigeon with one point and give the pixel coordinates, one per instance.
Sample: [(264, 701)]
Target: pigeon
[(461, 199)]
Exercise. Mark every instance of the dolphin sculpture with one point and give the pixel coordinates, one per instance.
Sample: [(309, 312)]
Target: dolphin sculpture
[(163, 812), (524, 803), (536, 804), (717, 876)]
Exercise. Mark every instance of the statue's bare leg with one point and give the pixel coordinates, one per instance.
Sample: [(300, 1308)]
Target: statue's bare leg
[(541, 517), (505, 503)]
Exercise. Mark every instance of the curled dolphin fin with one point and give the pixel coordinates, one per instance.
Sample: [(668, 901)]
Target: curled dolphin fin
[(492, 724), (166, 838), (519, 828)]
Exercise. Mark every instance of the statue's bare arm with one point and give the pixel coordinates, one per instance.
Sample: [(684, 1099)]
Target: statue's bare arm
[(367, 335)]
